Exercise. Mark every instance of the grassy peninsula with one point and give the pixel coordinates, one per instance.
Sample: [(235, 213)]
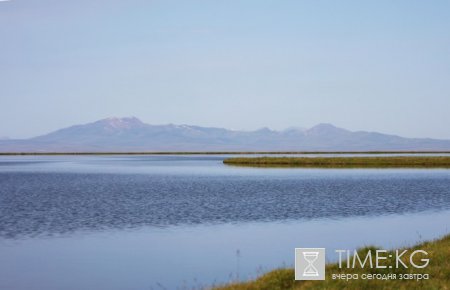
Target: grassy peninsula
[(438, 270), (344, 162)]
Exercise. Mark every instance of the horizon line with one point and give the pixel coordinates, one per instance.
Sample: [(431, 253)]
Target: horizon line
[(222, 152)]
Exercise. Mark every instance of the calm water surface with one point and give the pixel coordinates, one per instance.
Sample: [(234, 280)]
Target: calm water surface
[(143, 222)]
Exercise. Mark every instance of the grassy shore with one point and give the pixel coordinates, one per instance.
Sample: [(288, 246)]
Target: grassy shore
[(343, 162), (438, 270)]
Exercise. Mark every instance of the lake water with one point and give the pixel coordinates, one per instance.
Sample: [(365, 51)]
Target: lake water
[(168, 222)]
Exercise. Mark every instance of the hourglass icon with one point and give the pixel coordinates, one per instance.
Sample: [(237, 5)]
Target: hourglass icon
[(310, 270), (309, 263)]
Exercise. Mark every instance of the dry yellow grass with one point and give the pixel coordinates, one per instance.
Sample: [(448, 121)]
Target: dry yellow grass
[(344, 162), (438, 270)]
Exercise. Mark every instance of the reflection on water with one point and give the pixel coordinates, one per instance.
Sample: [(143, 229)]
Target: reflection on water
[(76, 193), (130, 222), (148, 258)]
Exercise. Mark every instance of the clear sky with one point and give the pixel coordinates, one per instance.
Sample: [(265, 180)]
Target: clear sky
[(362, 65)]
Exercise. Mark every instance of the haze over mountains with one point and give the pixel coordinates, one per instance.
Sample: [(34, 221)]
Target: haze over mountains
[(132, 135)]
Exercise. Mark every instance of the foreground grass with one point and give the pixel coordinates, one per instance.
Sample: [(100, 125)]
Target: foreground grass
[(338, 162), (438, 270)]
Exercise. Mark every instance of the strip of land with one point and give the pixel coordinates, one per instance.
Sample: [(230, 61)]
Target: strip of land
[(221, 152), (438, 270), (344, 162)]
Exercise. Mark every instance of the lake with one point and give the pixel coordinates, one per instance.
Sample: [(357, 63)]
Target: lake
[(184, 221)]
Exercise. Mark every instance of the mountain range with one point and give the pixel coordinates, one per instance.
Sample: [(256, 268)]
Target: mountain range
[(132, 135)]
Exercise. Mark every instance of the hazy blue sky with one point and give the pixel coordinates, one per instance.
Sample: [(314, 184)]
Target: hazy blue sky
[(362, 65)]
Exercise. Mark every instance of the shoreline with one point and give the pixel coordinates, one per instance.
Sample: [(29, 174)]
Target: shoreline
[(342, 162), (219, 152), (438, 270)]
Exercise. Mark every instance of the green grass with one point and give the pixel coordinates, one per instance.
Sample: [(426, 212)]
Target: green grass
[(343, 162), (438, 270)]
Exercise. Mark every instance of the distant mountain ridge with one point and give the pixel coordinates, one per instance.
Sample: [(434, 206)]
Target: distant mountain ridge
[(132, 135)]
